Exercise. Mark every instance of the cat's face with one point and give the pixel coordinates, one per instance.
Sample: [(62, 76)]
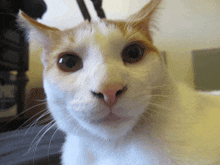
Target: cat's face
[(99, 76)]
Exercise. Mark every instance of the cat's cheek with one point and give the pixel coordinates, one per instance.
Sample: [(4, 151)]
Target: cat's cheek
[(87, 110)]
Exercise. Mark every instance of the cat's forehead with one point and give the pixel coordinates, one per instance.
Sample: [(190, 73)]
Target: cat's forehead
[(93, 30), (99, 31)]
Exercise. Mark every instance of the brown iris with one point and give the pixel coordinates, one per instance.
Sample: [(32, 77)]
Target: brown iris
[(133, 53), (69, 62)]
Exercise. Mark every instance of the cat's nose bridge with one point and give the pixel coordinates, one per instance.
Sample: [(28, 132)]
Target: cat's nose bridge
[(105, 74), (108, 83)]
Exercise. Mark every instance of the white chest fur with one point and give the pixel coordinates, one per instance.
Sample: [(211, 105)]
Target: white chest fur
[(89, 151)]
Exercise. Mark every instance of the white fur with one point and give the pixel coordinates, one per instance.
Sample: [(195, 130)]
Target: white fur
[(179, 113), (102, 64)]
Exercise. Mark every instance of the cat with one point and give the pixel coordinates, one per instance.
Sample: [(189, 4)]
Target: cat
[(109, 90)]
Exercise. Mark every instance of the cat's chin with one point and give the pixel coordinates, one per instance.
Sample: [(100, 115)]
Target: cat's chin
[(110, 126), (110, 120)]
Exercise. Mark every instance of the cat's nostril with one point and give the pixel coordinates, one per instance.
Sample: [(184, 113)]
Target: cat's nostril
[(98, 95), (110, 93), (120, 91)]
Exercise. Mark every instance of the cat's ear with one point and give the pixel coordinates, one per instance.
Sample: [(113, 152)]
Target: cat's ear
[(45, 35), (144, 19)]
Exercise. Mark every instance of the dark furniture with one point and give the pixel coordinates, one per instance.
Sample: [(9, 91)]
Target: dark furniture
[(14, 54), (206, 65), (13, 57), (97, 5)]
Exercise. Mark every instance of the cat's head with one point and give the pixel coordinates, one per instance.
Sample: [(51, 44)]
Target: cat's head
[(99, 76)]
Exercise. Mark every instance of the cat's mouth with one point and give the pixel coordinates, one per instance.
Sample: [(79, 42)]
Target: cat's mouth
[(111, 118)]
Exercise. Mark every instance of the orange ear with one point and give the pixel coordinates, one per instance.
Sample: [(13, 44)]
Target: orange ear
[(43, 34), (143, 20), (40, 32), (33, 22)]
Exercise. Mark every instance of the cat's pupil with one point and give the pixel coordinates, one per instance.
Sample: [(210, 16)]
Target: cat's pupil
[(132, 53), (69, 61)]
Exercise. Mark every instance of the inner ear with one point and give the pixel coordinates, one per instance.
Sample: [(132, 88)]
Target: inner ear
[(46, 36), (144, 19), (41, 33), (34, 23)]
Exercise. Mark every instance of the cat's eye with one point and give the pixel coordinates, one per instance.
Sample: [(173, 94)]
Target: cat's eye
[(133, 53), (69, 62)]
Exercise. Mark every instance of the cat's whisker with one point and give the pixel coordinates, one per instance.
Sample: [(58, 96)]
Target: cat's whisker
[(40, 138), (153, 95), (34, 106), (163, 96), (150, 111), (30, 119), (161, 106), (57, 129), (159, 86), (36, 121), (186, 115), (41, 100), (51, 140), (37, 142), (46, 120), (22, 113), (31, 145), (33, 124), (139, 95)]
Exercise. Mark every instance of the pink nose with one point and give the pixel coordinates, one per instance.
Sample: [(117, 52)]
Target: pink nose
[(110, 93)]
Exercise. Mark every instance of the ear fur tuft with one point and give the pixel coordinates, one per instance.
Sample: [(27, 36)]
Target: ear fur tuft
[(43, 34), (144, 19), (39, 31)]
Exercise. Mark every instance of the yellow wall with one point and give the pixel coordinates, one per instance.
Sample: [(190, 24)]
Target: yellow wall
[(185, 26), (35, 66)]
